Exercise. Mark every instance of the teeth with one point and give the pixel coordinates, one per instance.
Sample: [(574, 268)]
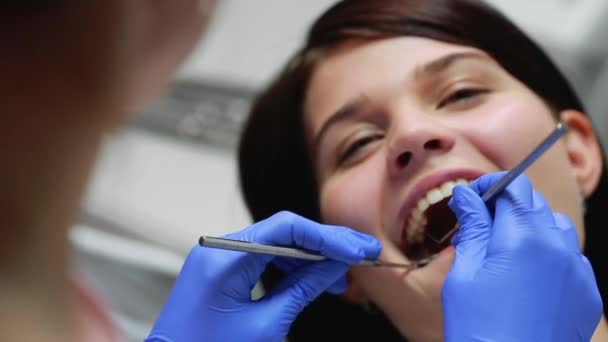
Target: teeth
[(412, 227), (434, 196), (420, 232), (416, 214), (447, 187), (415, 231), (462, 181), (423, 204), (417, 220), (418, 235)]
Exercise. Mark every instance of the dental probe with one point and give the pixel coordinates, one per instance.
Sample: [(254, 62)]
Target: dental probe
[(244, 246), (502, 183)]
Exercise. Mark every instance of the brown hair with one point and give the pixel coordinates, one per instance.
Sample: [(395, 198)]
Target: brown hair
[(276, 171)]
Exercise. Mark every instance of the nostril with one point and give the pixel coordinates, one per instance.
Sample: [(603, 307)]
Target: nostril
[(404, 159), (432, 144)]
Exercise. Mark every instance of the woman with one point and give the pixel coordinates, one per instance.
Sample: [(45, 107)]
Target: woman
[(72, 71), (386, 103)]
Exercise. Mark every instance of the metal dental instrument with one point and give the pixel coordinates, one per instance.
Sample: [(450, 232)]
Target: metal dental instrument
[(503, 182), (249, 247), (499, 186)]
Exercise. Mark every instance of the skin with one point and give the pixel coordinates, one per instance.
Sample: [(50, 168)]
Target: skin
[(455, 122), (71, 75)]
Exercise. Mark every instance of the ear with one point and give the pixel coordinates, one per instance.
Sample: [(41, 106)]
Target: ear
[(584, 151)]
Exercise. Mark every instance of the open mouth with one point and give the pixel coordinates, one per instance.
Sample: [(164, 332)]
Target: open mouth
[(431, 224)]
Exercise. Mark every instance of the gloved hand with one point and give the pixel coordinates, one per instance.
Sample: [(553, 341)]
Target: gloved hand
[(518, 274), (211, 299)]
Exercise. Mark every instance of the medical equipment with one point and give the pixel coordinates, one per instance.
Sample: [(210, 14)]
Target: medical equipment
[(499, 186), (243, 246)]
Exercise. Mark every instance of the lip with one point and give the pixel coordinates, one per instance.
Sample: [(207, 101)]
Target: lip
[(428, 182)]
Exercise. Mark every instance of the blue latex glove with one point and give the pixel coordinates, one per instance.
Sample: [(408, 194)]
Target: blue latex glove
[(518, 274), (211, 299)]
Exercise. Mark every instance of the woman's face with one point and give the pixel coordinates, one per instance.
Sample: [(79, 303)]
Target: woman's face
[(392, 125)]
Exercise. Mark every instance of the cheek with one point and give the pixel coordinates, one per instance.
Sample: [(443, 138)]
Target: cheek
[(508, 128), (552, 176), (352, 199)]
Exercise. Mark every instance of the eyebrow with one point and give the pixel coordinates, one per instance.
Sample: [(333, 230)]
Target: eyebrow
[(345, 113), (352, 108), (441, 64)]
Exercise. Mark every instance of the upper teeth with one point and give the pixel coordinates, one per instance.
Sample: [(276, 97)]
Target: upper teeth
[(417, 219)]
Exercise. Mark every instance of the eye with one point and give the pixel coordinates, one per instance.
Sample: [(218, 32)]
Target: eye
[(461, 95), (356, 146)]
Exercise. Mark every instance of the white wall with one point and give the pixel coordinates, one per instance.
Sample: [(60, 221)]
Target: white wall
[(167, 191), (249, 40), (598, 103), (567, 26)]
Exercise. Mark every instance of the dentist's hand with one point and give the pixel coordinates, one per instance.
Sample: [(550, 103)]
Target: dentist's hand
[(518, 274), (211, 299)]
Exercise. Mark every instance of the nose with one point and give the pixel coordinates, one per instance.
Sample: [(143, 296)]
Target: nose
[(415, 143)]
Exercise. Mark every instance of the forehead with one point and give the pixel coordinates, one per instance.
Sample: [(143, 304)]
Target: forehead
[(359, 68)]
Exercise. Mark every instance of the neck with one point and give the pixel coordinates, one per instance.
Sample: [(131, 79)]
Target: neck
[(46, 156)]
